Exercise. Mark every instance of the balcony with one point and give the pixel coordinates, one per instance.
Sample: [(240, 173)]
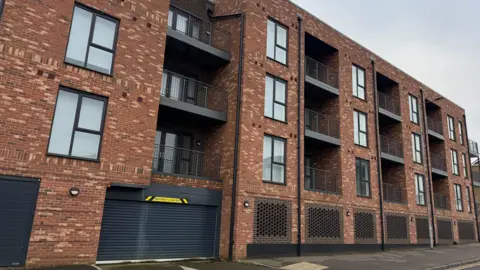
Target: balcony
[(322, 128), (192, 98), (322, 77), (196, 39), (394, 193), (389, 107), (391, 149), (439, 165), (319, 180), (435, 128), (473, 148), (441, 201), (185, 163), (476, 178)]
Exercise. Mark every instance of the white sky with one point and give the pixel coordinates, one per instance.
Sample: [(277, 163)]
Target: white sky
[(435, 41)]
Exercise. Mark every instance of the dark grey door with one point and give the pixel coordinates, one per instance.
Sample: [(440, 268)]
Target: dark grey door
[(134, 230), (18, 198)]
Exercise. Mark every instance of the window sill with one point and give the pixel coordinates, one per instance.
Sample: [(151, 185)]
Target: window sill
[(274, 183), (419, 163), (276, 120), (359, 98), (365, 197), (85, 68), (422, 205), (276, 61), (73, 157)]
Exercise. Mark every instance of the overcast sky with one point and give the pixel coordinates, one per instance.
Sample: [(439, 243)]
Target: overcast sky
[(435, 41)]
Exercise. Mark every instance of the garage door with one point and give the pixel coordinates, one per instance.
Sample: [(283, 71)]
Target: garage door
[(133, 230), (18, 198)]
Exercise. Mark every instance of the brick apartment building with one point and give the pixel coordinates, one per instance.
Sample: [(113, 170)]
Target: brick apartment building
[(128, 128)]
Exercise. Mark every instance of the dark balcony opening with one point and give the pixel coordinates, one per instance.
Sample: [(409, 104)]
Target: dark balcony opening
[(321, 63), (388, 96), (186, 149), (438, 160), (434, 120), (391, 141), (321, 123), (473, 146), (441, 195), (394, 182), (322, 168)]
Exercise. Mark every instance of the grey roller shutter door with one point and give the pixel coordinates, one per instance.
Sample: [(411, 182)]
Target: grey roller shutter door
[(17, 207), (141, 231)]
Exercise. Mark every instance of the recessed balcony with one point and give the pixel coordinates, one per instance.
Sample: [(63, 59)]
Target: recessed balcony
[(435, 129), (320, 80), (439, 166), (441, 201), (391, 149), (389, 107), (394, 193), (320, 180), (322, 128)]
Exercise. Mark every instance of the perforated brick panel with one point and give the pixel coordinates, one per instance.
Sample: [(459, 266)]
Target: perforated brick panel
[(397, 229), (324, 224), (273, 221), (466, 231), (444, 228), (365, 229), (423, 235)]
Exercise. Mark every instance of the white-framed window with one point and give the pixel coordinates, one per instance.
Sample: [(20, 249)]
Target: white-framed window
[(469, 204), (92, 40), (358, 82), (78, 124), (274, 159), (464, 163), (360, 128), (275, 98), (413, 105), (417, 148), (454, 156), (458, 197), (277, 41), (362, 177), (420, 189), (451, 128), (460, 132)]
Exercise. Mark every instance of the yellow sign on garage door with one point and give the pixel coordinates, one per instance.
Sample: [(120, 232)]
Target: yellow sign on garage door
[(166, 200)]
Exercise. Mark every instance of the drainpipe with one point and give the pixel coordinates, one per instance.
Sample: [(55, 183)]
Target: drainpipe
[(431, 225), (379, 161), (237, 125), (471, 177), (299, 140)]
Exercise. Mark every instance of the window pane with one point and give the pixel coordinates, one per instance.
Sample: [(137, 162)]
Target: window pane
[(279, 91), (104, 32), (100, 60), (85, 145), (281, 36), (170, 18), (79, 34), (268, 110), (271, 39), (267, 158), (163, 90), (355, 127), (417, 143), (181, 23), (354, 80), (91, 114), (421, 199), (278, 151), (175, 87), (363, 122), (365, 171), (361, 92), (281, 55), (361, 77), (278, 173), (365, 189), (279, 113), (64, 119), (363, 139)]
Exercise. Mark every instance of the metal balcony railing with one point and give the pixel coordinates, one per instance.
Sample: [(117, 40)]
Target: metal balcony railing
[(388, 103), (321, 180), (322, 124), (394, 193), (321, 72), (178, 87), (192, 26), (441, 201), (476, 176), (391, 146), (438, 162), (473, 147), (435, 125), (185, 162)]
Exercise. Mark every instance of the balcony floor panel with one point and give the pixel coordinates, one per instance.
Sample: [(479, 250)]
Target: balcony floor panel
[(189, 112), (392, 158), (438, 173), (330, 90), (390, 115), (319, 137), (435, 135)]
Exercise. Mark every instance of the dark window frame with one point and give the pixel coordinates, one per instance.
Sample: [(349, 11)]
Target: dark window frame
[(412, 111), (275, 44), (275, 79), (458, 192), (361, 161), (469, 199), (418, 192), (95, 13), (453, 153), (464, 163), (284, 164), (75, 127), (415, 150), (451, 128), (357, 67), (460, 132), (360, 131), (2, 6)]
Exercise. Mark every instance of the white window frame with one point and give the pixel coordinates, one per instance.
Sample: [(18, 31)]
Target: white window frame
[(451, 127), (273, 99), (414, 113), (356, 71), (358, 132), (454, 157), (458, 197), (420, 189), (276, 45), (417, 148)]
